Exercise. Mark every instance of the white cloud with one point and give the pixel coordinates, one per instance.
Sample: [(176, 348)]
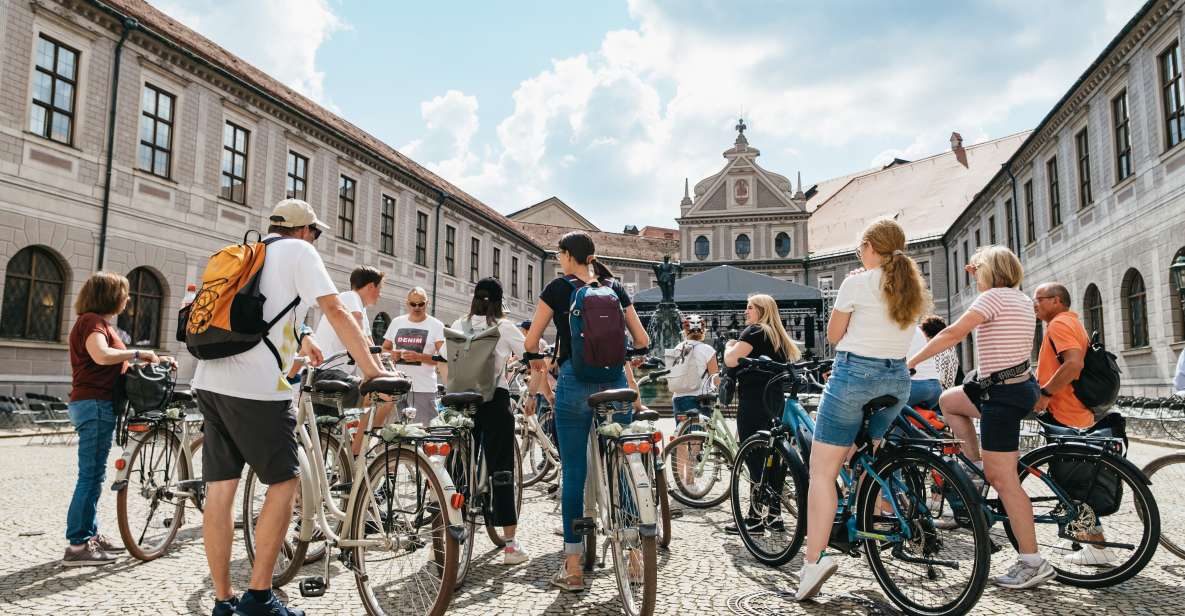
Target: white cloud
[(280, 37), (451, 120)]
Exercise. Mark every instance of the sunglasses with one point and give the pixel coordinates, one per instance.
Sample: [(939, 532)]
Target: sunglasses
[(316, 231), (417, 304)]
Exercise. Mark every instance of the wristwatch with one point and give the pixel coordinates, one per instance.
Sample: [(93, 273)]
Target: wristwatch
[(1046, 393), (136, 355)]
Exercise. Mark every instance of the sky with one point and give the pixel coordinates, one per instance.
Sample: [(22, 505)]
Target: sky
[(609, 105)]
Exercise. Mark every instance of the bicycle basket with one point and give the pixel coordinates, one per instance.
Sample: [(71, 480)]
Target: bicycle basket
[(148, 388)]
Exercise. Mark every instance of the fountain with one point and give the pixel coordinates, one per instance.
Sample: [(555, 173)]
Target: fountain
[(665, 328)]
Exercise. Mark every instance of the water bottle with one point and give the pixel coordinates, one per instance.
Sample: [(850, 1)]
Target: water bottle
[(190, 294)]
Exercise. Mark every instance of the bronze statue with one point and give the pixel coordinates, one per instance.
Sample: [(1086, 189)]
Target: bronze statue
[(666, 273)]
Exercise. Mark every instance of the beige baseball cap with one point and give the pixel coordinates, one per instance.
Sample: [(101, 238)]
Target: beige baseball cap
[(294, 213)]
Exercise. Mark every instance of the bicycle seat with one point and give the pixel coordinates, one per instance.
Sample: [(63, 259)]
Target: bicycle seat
[(612, 395), (390, 385), (462, 399), (705, 399), (181, 395), (333, 387), (880, 402), (645, 415)]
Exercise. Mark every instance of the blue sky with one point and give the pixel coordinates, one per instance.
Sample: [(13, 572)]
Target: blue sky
[(609, 105)]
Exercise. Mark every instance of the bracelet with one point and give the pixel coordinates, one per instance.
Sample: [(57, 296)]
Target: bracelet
[(136, 355)]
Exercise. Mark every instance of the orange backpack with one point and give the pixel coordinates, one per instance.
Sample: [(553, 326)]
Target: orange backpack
[(226, 316)]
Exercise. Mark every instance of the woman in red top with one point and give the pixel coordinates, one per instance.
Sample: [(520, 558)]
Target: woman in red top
[(97, 358)]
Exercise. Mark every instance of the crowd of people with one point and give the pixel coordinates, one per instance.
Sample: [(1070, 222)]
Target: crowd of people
[(885, 341)]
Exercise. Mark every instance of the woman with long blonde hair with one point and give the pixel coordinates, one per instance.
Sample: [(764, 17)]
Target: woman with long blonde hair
[(764, 335), (871, 326)]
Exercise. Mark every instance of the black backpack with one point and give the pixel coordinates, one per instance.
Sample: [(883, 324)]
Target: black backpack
[(1098, 385)]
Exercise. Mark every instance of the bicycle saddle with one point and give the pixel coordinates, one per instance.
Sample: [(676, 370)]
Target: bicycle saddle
[(461, 399), (612, 395), (880, 402), (705, 399), (390, 385), (181, 395), (333, 386), (645, 415)]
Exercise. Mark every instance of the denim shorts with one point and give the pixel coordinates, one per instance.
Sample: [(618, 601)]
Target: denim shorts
[(1000, 414), (855, 380)]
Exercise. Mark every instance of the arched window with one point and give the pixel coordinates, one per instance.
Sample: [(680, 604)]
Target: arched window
[(378, 327), (1135, 310), (1092, 311), (34, 290), (146, 299), (701, 248), (743, 245), (782, 244), (1175, 308)]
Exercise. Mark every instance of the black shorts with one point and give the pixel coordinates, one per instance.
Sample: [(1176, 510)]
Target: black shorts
[(1002, 412), (240, 431)]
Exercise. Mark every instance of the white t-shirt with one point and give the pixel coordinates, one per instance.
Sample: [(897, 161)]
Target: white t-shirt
[(292, 268), (510, 341), (701, 354), (927, 370), (419, 337), (327, 338), (871, 332)]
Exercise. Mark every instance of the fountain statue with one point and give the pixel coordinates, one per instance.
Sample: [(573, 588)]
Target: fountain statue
[(666, 326)]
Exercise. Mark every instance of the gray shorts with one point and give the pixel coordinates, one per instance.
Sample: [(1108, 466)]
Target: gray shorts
[(425, 404), (240, 431)]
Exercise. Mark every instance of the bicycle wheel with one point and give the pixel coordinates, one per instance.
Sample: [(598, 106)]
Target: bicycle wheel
[(413, 566), (635, 556), (148, 510), (495, 532), (698, 467), (338, 470), (460, 470), (534, 464), (768, 514), (1167, 474), (924, 570), (1131, 531), (291, 556)]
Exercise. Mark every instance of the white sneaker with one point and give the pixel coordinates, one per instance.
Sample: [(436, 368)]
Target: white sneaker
[(812, 576), (1092, 556), (1024, 575), (514, 554)]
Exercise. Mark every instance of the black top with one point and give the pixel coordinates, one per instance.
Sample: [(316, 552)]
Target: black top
[(752, 382), (558, 296)]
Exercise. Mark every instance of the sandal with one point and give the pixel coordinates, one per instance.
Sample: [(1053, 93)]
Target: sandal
[(567, 583)]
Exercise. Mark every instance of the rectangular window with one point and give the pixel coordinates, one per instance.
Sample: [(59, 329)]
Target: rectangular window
[(450, 250), (1174, 104), (474, 259), (298, 177), (1055, 194), (346, 189), (54, 80), (1123, 137), (826, 283), (514, 276), (978, 239), (234, 163), (992, 230), (1082, 142), (966, 255), (924, 266), (1009, 224), (387, 226), (156, 131), (530, 281), (954, 269), (498, 263), (1030, 214), (421, 239)]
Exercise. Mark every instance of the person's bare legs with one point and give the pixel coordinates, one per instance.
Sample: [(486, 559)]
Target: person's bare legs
[(218, 534), (270, 529), (958, 411), (1000, 469), (380, 418), (821, 500)]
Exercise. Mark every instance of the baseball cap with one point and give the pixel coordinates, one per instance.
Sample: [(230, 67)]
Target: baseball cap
[(294, 213)]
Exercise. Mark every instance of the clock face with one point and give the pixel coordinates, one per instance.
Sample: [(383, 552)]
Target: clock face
[(740, 191)]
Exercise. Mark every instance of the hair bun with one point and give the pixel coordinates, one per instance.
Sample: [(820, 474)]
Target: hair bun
[(898, 253)]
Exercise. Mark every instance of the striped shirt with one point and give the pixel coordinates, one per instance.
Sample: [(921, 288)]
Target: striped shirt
[(1006, 338)]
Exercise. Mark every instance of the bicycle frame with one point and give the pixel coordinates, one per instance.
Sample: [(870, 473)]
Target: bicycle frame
[(124, 469), (638, 490)]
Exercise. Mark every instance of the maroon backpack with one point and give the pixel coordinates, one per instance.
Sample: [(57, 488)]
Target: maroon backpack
[(597, 322)]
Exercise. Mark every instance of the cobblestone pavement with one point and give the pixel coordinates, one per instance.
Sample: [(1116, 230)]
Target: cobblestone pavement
[(704, 572)]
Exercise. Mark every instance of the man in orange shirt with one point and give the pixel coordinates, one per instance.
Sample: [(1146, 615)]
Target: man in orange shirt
[(1063, 351)]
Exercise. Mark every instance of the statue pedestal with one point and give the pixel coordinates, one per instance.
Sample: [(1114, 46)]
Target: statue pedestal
[(665, 329)]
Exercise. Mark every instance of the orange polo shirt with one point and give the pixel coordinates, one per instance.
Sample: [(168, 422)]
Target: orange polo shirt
[(1066, 332)]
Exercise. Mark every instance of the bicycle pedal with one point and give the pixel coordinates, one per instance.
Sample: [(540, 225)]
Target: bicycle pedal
[(676, 514), (193, 486), (584, 526), (313, 586), (167, 522)]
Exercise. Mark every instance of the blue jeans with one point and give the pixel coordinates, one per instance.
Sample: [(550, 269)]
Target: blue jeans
[(573, 421), (94, 420), (855, 380), (924, 393), (684, 404)]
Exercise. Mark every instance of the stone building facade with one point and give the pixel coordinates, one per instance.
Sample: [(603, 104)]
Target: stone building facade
[(1095, 199)]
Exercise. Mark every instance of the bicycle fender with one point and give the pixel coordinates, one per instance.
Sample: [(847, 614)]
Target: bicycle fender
[(1085, 449), (436, 463), (121, 474), (641, 481), (796, 463)]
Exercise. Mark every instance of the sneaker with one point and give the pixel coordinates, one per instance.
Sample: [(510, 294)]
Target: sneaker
[(812, 577), (775, 525), (106, 545), (250, 606), (946, 522), (88, 554), (752, 525), (225, 608), (1092, 556), (1024, 575), (514, 554)]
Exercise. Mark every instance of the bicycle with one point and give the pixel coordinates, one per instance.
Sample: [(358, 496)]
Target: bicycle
[(467, 467), (540, 460), (400, 528), (700, 457), (1169, 474), (884, 507), (158, 472)]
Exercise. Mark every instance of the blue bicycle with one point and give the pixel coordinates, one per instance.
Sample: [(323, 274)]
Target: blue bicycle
[(884, 506)]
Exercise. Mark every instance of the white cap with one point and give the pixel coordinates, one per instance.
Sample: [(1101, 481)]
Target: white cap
[(294, 213)]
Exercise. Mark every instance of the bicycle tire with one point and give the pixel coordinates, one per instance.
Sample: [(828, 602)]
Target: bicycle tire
[(291, 556), (532, 471), (195, 452), (795, 477), (170, 453), (664, 509), (681, 491), (461, 472), (429, 501), (494, 532), (1146, 511), (344, 469), (1173, 539), (916, 470), (620, 515)]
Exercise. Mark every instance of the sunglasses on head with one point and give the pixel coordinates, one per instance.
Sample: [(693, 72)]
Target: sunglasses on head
[(417, 304)]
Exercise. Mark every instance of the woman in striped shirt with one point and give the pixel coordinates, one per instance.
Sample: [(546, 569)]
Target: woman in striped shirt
[(1003, 320)]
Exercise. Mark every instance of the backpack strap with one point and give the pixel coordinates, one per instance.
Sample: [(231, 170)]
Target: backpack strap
[(291, 305)]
